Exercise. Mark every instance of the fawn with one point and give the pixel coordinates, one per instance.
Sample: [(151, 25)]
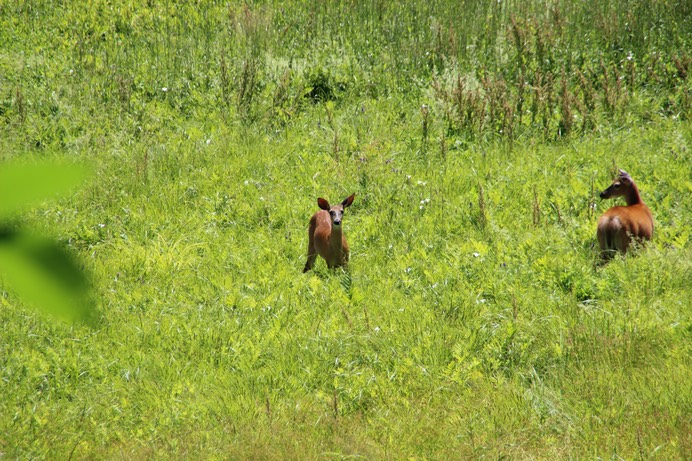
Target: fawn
[(325, 234)]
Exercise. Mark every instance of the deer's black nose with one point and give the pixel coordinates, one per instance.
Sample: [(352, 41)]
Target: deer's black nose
[(337, 222), (603, 194)]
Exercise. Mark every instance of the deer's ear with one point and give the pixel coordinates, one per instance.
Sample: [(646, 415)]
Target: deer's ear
[(348, 201), (322, 203)]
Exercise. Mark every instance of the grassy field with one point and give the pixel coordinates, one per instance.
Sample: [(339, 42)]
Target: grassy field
[(474, 321)]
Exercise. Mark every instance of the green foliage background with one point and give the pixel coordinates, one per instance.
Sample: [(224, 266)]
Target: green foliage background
[(474, 321)]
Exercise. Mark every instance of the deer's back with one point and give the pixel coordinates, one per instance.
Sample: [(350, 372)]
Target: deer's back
[(635, 220)]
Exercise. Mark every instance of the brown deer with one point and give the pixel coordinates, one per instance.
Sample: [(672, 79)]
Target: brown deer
[(618, 226), (325, 234)]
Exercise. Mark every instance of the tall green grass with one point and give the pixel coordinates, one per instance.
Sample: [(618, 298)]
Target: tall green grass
[(498, 69), (474, 321)]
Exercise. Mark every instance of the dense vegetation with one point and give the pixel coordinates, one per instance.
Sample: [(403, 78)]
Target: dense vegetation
[(474, 320)]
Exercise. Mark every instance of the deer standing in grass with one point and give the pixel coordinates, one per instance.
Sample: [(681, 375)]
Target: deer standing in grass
[(618, 226), (326, 236)]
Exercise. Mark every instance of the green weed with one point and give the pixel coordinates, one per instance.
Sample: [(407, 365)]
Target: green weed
[(473, 321)]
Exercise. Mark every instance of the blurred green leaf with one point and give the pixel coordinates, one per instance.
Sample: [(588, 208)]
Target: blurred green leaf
[(24, 184), (45, 275)]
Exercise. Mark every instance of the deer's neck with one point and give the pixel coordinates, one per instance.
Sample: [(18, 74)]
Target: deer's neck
[(336, 236), (633, 197)]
